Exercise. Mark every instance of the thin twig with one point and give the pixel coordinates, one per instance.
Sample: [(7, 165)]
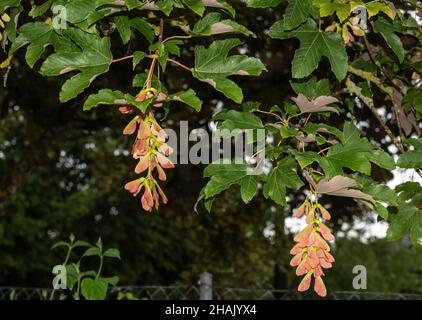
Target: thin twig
[(180, 64), (397, 110), (269, 113), (151, 72), (160, 37), (307, 119), (323, 150), (371, 78), (122, 59), (386, 89), (154, 60), (353, 88), (367, 45), (176, 37)]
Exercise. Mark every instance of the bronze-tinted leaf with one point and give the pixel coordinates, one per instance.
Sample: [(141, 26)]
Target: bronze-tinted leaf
[(309, 138), (407, 121), (320, 104), (340, 186)]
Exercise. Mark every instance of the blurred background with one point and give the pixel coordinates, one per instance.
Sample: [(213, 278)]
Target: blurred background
[(62, 171)]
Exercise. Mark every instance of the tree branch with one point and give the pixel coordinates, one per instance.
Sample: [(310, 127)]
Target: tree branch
[(122, 59), (386, 89), (353, 88), (177, 37), (180, 65)]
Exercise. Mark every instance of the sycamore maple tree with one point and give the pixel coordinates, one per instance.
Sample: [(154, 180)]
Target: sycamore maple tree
[(360, 40)]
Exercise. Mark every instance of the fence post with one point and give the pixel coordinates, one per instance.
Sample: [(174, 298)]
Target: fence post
[(205, 286)]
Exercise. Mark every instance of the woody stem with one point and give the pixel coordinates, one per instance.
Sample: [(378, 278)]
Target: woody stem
[(176, 37), (122, 59), (154, 59), (269, 113), (180, 64), (160, 40), (151, 72)]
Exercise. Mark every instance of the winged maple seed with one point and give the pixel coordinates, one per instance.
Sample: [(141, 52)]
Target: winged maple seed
[(320, 104), (151, 151), (312, 252)]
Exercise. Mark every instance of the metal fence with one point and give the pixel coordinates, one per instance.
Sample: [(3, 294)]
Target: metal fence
[(206, 291), (193, 293), (223, 293)]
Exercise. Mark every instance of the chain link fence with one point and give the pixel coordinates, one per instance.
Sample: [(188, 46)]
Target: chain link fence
[(223, 293), (205, 290), (194, 293)]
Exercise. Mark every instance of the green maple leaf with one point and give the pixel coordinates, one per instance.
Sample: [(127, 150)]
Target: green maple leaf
[(413, 99), (344, 9), (408, 219), (5, 4), (412, 158), (375, 7), (110, 97), (354, 152), (311, 88), (213, 66), (314, 44), (213, 24), (39, 36), (248, 187), (166, 6), (281, 177), (94, 289), (92, 57), (387, 29), (187, 97), (124, 26), (351, 156), (78, 10), (196, 6), (262, 3), (224, 175), (297, 12), (328, 7), (232, 119)]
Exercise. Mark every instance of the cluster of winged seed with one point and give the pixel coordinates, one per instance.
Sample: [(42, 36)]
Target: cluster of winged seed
[(151, 151), (312, 252)]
